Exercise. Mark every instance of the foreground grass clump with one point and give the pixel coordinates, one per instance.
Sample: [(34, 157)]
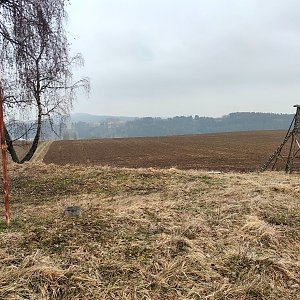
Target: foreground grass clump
[(150, 234)]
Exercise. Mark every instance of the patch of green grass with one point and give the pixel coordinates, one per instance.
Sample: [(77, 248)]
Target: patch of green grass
[(286, 217), (15, 225), (208, 179), (138, 251), (255, 293), (106, 191)]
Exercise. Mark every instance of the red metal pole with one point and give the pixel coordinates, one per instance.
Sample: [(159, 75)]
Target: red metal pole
[(4, 160)]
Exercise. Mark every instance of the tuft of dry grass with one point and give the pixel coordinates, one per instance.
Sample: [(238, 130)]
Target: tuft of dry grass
[(150, 234)]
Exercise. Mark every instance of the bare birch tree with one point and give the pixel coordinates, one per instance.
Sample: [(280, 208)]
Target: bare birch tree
[(35, 65)]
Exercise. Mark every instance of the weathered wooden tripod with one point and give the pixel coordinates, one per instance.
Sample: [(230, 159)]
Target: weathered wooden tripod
[(292, 136)]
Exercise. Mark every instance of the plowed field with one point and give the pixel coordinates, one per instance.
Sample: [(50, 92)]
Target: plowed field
[(239, 151)]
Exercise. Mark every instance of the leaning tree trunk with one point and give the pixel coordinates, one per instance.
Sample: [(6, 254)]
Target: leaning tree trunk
[(10, 147), (35, 143)]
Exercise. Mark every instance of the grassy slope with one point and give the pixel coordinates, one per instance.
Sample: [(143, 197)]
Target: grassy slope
[(147, 234), (41, 151)]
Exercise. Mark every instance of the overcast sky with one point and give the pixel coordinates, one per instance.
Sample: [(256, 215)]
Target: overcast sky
[(186, 57)]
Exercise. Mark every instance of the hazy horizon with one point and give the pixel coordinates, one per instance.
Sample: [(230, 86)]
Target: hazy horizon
[(172, 116)]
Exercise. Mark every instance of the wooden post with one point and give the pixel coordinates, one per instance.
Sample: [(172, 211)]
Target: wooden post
[(4, 160)]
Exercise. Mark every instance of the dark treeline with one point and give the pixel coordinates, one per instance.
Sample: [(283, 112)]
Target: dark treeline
[(143, 127)]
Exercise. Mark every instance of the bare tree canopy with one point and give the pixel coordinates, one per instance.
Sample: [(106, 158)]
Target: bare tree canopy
[(35, 64)]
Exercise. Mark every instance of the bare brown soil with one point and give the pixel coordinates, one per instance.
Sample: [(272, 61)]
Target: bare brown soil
[(239, 151)]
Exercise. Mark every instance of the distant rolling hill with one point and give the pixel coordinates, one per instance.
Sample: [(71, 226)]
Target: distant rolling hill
[(85, 126), (88, 118)]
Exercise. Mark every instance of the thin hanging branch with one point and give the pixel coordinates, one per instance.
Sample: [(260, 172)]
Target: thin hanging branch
[(35, 63)]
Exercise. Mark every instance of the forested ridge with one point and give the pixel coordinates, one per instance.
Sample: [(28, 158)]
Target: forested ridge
[(148, 126)]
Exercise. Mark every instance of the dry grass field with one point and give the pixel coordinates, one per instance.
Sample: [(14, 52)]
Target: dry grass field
[(239, 151), (150, 234)]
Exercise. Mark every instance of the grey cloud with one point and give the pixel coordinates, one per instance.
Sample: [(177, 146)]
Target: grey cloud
[(142, 51)]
